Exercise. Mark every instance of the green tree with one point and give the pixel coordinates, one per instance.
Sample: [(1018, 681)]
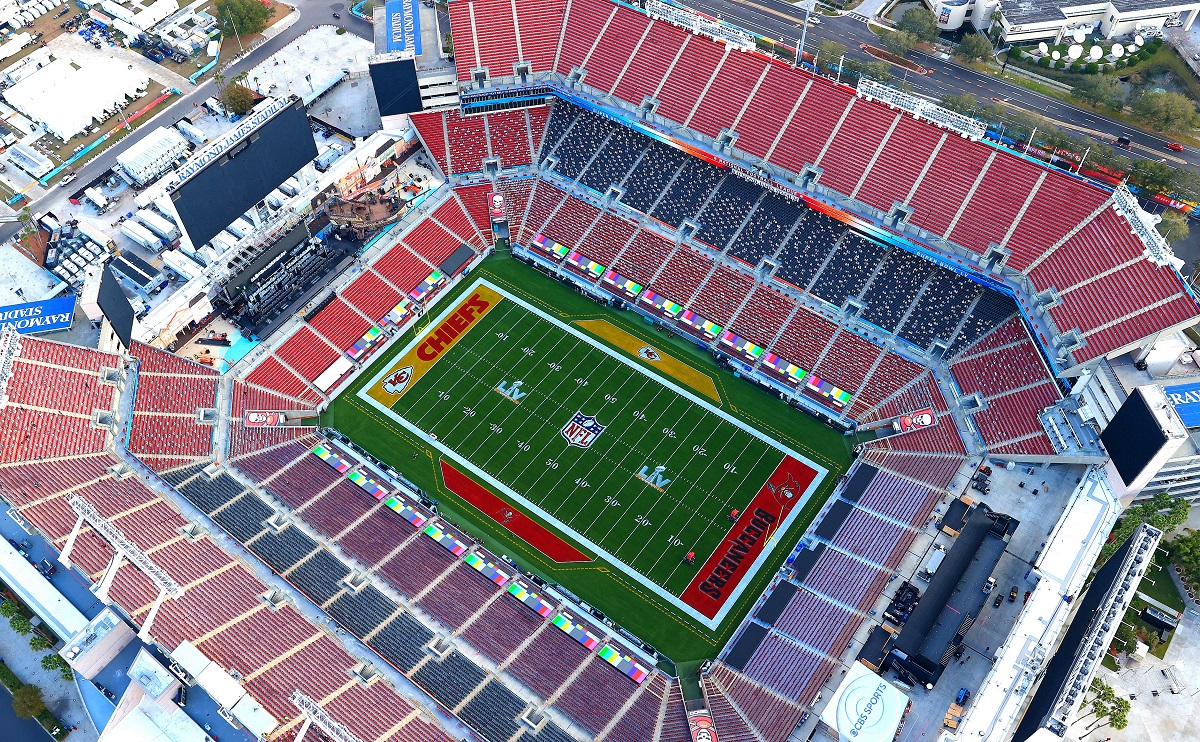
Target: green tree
[(53, 662), (1185, 554), (9, 608), (242, 17), (920, 21), (964, 103), (1153, 176), (1125, 638), (1185, 183), (27, 701), (974, 47), (1174, 226), (898, 42), (1117, 715), (1108, 157), (1162, 511), (237, 99), (1100, 90), (1166, 111), (21, 625), (39, 643), (829, 52)]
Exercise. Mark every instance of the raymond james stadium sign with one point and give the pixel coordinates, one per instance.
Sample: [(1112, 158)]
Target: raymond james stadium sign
[(39, 316)]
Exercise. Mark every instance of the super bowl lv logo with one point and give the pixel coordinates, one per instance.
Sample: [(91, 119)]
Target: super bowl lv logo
[(582, 430)]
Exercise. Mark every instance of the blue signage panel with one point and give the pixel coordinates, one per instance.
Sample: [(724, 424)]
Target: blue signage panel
[(39, 316), (1186, 398), (403, 26)]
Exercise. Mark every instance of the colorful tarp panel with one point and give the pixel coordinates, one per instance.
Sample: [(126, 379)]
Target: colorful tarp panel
[(576, 631), (741, 345), (661, 303), (398, 313), (780, 366), (424, 288), (331, 458), (487, 569), (633, 288), (839, 397), (365, 343), (532, 601), (623, 662), (692, 319), (550, 246), (448, 542), (584, 263), (370, 486), (407, 513)]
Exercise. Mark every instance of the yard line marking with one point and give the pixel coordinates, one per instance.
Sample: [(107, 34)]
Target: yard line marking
[(724, 507)]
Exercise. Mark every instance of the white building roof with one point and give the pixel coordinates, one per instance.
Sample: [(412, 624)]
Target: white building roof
[(91, 86), (162, 143)]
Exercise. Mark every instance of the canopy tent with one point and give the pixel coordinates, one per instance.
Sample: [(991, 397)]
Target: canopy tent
[(92, 86)]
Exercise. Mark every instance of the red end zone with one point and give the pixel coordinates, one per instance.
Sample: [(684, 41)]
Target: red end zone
[(731, 560), (508, 516)]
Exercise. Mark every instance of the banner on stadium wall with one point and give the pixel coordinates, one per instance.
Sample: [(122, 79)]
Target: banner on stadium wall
[(916, 420), (40, 316), (403, 26), (263, 419), (409, 368), (1186, 399), (701, 725)]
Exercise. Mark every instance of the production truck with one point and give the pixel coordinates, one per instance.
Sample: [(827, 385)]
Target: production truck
[(158, 224), (141, 235)]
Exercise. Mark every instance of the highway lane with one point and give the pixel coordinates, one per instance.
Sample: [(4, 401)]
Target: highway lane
[(312, 12), (782, 22)]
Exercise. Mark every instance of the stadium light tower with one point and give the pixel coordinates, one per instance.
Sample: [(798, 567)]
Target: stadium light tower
[(808, 6)]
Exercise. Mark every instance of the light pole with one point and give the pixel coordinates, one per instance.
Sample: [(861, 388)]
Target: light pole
[(808, 6)]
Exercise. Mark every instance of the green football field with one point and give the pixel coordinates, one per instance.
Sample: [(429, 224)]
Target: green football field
[(638, 604), (657, 481)]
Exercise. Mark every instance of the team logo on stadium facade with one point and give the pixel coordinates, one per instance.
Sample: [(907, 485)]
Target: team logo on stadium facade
[(395, 382), (582, 430)]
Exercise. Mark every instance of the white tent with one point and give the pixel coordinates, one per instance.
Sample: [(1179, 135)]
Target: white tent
[(865, 707), (92, 87)]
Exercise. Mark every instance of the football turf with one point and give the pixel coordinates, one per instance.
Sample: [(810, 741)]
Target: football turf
[(624, 600), (612, 454)]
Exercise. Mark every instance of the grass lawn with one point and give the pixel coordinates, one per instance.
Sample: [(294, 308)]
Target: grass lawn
[(1157, 583), (693, 514)]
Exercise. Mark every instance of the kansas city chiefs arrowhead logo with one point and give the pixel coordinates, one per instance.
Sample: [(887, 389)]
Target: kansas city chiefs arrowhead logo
[(648, 353), (395, 382)]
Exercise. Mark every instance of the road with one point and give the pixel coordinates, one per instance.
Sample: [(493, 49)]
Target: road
[(312, 13), (781, 21)]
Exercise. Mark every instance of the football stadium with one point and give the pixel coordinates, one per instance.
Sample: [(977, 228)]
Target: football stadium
[(696, 396)]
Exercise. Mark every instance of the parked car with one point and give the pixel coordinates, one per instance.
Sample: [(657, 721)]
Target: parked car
[(1012, 594), (999, 599), (989, 585), (963, 695)]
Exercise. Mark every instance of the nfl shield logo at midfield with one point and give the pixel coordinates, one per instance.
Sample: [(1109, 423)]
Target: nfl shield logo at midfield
[(581, 430)]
